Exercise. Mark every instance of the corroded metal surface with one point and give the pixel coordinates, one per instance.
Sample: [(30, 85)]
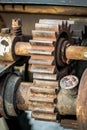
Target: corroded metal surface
[(38, 99), (22, 96), (66, 123), (46, 77), (8, 38), (42, 69), (51, 21), (42, 26), (7, 43), (34, 47), (43, 50), (41, 42), (82, 102), (43, 116), (43, 108), (45, 42), (66, 103), (47, 83), (45, 35), (22, 48), (6, 47), (42, 90), (42, 102), (42, 99), (76, 52), (67, 95), (69, 82), (38, 59)]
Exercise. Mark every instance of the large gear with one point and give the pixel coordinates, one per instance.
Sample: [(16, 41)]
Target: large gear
[(46, 74)]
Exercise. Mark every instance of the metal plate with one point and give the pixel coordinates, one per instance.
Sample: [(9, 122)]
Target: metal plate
[(47, 2)]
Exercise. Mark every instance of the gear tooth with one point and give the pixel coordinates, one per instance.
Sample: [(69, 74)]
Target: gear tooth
[(69, 27), (71, 33), (66, 24), (44, 116), (63, 24), (56, 34), (59, 27)]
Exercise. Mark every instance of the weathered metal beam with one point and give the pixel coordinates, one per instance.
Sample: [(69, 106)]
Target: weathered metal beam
[(42, 9), (47, 2)]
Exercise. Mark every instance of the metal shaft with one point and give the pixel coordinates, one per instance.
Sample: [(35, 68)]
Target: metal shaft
[(76, 52), (25, 49), (22, 48), (71, 52)]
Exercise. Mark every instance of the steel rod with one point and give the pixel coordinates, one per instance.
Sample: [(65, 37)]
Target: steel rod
[(42, 9), (76, 53), (72, 52)]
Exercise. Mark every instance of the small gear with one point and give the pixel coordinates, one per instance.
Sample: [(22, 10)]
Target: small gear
[(64, 39)]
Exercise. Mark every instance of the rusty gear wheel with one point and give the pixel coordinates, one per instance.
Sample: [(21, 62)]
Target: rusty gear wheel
[(43, 97)]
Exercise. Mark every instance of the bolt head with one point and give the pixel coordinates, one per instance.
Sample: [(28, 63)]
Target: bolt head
[(69, 82)]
